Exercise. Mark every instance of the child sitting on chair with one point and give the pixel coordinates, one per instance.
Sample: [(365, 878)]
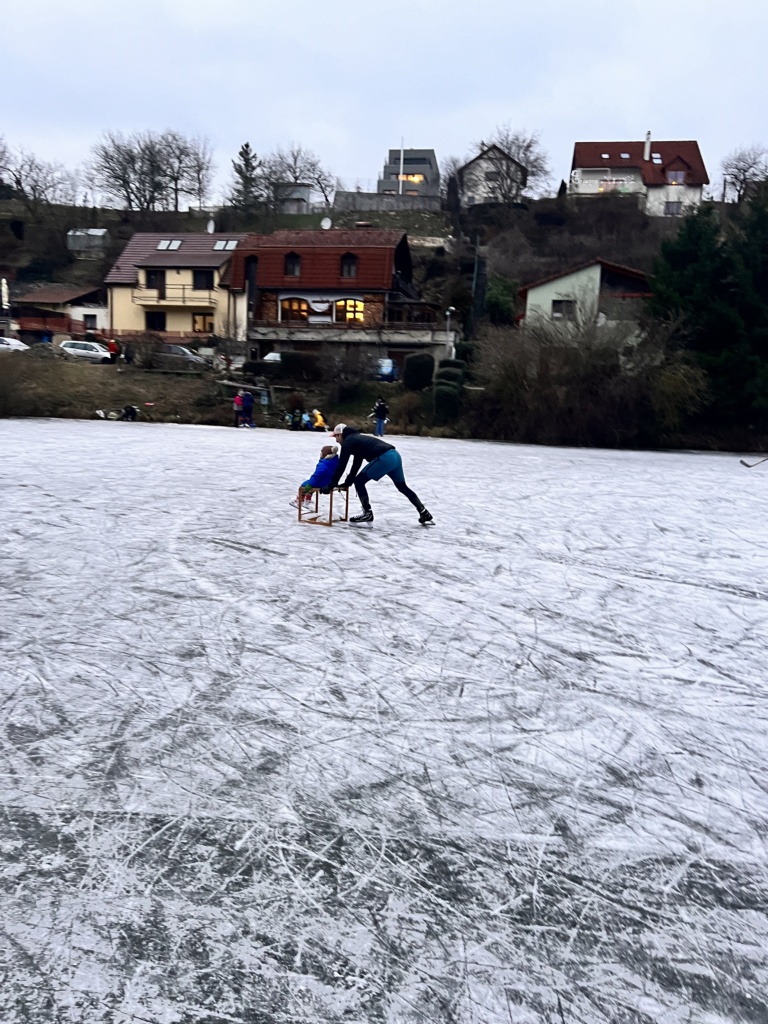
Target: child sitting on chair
[(324, 470)]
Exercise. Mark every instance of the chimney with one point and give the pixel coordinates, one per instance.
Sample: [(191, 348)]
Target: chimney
[(647, 147)]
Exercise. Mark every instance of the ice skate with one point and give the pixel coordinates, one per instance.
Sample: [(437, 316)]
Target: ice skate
[(366, 516), (425, 518)]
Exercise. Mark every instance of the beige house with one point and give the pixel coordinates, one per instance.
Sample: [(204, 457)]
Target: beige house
[(170, 285)]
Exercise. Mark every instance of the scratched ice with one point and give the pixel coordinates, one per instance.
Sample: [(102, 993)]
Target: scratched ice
[(508, 769)]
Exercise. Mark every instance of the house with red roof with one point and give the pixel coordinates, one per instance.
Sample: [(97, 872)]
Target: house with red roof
[(667, 178), (304, 290), (171, 286)]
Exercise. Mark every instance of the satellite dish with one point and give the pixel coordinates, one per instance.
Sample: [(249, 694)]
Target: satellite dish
[(326, 223), (210, 227)]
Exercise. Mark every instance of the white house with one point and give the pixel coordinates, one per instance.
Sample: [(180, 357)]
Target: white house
[(666, 177), (598, 291), (493, 176)]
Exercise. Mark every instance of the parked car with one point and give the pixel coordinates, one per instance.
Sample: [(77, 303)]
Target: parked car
[(179, 353), (272, 357), (386, 369), (91, 351), (12, 345)]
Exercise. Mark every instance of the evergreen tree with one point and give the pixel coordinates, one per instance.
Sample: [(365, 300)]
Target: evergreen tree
[(247, 187), (700, 284)]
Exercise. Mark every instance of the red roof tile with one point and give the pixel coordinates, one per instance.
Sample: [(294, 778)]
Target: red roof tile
[(195, 250), (356, 238), (674, 156)]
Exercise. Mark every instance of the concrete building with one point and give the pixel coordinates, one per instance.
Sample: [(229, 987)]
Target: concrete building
[(667, 178), (410, 172)]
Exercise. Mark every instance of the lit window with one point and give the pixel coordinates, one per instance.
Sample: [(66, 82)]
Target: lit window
[(563, 309), (675, 177), (415, 178), (349, 311), (294, 310), (673, 209), (202, 323), (292, 265), (349, 265)]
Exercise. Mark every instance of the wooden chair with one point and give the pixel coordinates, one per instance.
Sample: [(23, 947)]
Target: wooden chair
[(312, 516)]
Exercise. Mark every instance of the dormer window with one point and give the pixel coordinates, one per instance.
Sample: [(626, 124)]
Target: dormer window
[(292, 265), (675, 177), (349, 265)]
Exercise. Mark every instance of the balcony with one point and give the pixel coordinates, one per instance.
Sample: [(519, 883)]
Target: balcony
[(175, 295)]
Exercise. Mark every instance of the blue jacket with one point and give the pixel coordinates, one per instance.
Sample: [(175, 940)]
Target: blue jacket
[(323, 474)]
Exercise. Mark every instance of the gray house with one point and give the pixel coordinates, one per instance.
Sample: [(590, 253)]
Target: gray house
[(419, 175)]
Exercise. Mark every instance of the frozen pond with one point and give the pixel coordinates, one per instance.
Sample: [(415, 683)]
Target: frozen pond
[(508, 769)]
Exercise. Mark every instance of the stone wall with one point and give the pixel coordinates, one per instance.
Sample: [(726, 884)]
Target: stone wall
[(374, 202)]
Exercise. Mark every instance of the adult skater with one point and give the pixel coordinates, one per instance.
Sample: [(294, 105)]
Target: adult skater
[(383, 460)]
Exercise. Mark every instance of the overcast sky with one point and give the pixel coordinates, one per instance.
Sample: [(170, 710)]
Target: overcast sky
[(349, 79)]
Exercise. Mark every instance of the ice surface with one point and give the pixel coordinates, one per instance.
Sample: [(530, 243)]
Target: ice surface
[(508, 769)]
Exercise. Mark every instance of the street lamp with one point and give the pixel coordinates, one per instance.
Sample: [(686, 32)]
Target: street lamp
[(448, 312)]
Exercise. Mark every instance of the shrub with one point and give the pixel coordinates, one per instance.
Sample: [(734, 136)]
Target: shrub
[(300, 365), (447, 404), (258, 368), (452, 364), (501, 300), (419, 371), (449, 376)]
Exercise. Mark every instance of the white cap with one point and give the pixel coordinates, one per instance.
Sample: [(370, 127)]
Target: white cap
[(339, 429)]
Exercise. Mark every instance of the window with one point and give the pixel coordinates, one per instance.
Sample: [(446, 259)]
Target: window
[(656, 157), (168, 243), (624, 156), (202, 323), (294, 310), (563, 309), (492, 175), (202, 280), (675, 177), (222, 243), (164, 244), (673, 209), (175, 244), (219, 245), (154, 321), (231, 244), (350, 311), (292, 265), (605, 156), (349, 265), (90, 321)]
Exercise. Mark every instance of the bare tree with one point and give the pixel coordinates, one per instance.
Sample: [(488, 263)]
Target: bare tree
[(300, 166), (525, 147), (39, 182), (152, 170), (741, 168), (199, 173)]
